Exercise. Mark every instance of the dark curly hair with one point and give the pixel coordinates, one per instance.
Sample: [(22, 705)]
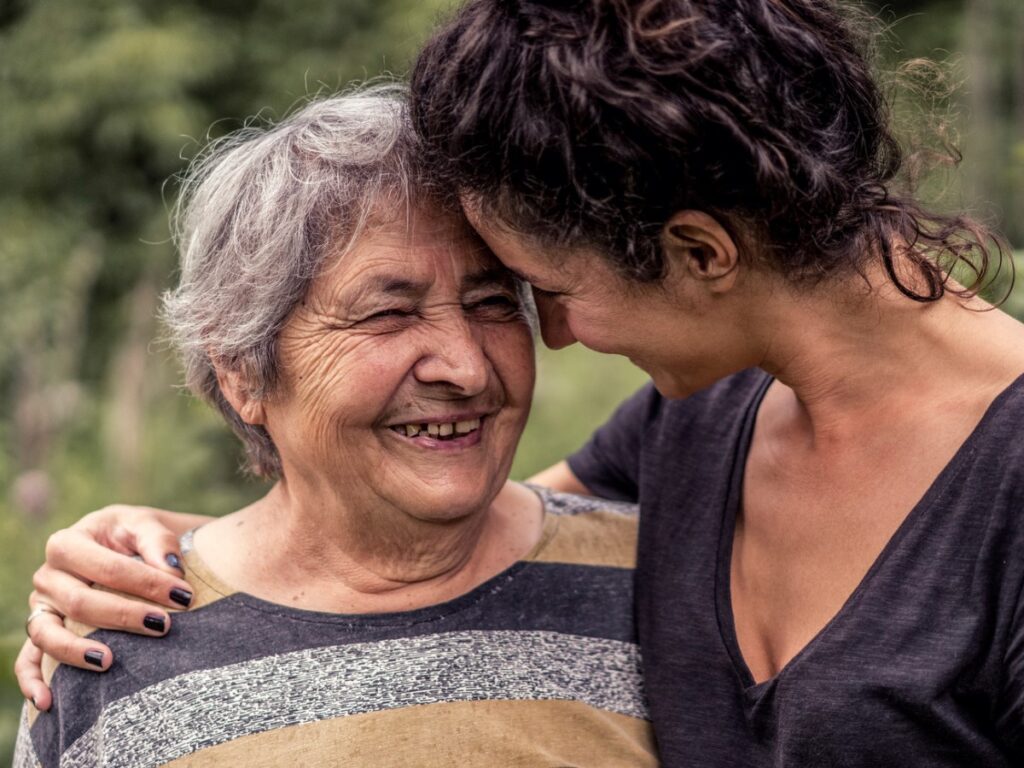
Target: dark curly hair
[(588, 123)]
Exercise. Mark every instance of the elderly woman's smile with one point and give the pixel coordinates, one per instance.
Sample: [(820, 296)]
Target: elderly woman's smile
[(461, 430)]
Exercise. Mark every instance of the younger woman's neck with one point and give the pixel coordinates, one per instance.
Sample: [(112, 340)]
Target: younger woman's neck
[(839, 351)]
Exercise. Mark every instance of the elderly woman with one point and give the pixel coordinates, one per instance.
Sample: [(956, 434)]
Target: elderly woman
[(393, 600), (831, 557)]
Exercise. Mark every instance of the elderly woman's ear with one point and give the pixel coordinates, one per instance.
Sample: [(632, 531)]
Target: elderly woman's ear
[(236, 391), (702, 248)]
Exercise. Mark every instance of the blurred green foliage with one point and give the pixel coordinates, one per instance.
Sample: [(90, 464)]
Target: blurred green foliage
[(104, 101)]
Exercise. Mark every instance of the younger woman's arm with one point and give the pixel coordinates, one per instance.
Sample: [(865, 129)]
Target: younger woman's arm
[(132, 550)]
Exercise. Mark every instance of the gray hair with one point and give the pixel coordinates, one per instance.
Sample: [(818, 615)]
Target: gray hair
[(259, 215)]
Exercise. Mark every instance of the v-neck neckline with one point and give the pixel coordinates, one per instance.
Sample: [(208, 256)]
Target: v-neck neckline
[(734, 494)]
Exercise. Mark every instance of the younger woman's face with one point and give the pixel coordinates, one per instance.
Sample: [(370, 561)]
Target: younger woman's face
[(681, 335)]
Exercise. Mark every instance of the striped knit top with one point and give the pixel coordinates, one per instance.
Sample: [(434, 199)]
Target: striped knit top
[(538, 666)]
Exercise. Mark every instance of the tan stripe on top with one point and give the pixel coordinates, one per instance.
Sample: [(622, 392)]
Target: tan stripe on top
[(207, 586), (600, 537), (476, 733)]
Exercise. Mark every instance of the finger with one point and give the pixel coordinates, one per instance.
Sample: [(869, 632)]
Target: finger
[(157, 544), (49, 635), (80, 556), (98, 608), (29, 671)]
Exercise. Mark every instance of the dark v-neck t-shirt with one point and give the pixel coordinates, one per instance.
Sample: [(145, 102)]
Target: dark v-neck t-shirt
[(922, 666)]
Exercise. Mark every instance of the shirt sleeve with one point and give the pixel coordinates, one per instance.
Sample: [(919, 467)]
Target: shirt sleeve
[(24, 753), (609, 464)]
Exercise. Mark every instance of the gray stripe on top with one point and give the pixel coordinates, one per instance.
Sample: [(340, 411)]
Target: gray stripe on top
[(181, 715), (571, 504), (24, 754)]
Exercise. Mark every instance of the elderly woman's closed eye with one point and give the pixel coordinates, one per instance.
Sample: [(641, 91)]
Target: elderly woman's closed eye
[(393, 599)]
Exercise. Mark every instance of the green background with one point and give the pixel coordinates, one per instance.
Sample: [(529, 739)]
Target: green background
[(102, 101)]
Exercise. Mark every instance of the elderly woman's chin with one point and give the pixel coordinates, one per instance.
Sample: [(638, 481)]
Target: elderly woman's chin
[(447, 467), (447, 477), (418, 462)]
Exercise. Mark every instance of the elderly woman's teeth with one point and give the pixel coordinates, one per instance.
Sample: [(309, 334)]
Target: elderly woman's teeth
[(439, 431)]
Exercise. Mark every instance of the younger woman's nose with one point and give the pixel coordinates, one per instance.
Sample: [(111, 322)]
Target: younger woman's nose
[(554, 321)]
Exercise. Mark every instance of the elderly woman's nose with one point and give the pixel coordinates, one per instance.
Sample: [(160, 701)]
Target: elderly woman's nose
[(454, 355)]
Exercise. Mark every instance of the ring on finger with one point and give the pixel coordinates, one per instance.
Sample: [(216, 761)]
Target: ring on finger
[(39, 610)]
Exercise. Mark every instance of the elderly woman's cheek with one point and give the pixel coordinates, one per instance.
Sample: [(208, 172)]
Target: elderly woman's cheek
[(336, 382), (318, 365), (510, 348)]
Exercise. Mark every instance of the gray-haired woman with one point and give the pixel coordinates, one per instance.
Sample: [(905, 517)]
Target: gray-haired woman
[(393, 600)]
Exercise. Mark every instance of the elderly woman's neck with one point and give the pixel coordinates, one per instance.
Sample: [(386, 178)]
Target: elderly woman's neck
[(323, 555)]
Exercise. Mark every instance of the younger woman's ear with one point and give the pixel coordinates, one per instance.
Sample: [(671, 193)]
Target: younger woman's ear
[(236, 391), (697, 243)]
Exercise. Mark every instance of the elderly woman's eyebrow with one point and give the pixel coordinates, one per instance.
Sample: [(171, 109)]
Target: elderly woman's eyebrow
[(376, 288), (393, 285), (491, 276), (397, 285)]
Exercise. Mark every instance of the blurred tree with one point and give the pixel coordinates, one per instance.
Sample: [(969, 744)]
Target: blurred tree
[(980, 46)]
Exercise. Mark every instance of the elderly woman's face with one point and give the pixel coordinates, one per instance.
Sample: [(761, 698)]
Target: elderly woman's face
[(407, 372)]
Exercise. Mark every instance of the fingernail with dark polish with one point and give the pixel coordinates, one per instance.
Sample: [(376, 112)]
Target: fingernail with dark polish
[(174, 561), (94, 657), (181, 597), (154, 622)]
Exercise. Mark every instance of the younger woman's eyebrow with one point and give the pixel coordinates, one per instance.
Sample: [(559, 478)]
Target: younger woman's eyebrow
[(520, 275)]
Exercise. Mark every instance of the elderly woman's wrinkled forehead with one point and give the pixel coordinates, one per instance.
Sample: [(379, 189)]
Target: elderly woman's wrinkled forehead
[(424, 224), (423, 250), (417, 236)]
